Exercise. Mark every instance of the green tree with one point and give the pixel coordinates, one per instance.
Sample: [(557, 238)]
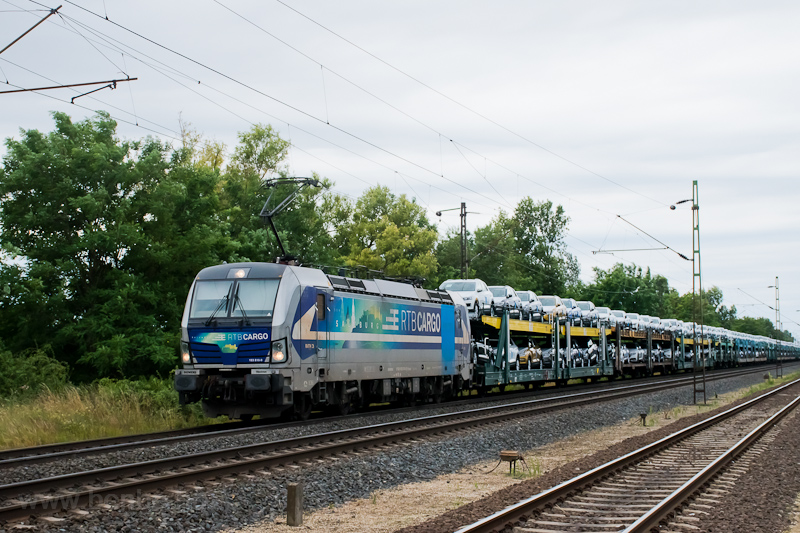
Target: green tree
[(389, 233), (202, 152), (496, 259), (539, 237), (527, 250), (305, 226), (260, 152), (448, 257), (257, 157), (27, 372), (103, 238), (633, 290), (706, 306)]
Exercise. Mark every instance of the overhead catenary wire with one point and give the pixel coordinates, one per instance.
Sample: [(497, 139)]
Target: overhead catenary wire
[(537, 183), (107, 39), (281, 102), (754, 298), (172, 135), (96, 111), (372, 144), (287, 6), (72, 30), (464, 106), (404, 113), (359, 87), (669, 257), (124, 71), (278, 119), (176, 139), (130, 90), (369, 93), (767, 305), (666, 247), (294, 145), (473, 167), (483, 175), (658, 241), (64, 86)]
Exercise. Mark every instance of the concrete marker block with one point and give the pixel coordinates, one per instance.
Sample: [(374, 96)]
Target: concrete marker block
[(294, 505)]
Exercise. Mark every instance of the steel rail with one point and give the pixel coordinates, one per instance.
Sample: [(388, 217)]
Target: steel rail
[(508, 516), (278, 452), (668, 505), (50, 452), (62, 449), (18, 457)]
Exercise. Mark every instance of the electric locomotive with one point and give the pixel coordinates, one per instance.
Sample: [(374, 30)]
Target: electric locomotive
[(273, 339)]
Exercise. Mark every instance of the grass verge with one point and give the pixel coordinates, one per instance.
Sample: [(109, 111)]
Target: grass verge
[(107, 408)]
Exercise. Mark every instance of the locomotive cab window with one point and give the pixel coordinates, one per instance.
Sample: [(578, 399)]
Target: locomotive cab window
[(211, 297), (256, 298), (253, 298)]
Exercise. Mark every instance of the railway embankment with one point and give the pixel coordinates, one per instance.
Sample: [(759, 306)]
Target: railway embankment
[(108, 408), (762, 499), (374, 479)]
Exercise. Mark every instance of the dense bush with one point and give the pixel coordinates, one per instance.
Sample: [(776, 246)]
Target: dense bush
[(102, 409), (26, 373)]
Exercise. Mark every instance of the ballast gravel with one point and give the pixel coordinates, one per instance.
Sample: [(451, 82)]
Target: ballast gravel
[(759, 509), (756, 506), (225, 504), (67, 465), (269, 433)]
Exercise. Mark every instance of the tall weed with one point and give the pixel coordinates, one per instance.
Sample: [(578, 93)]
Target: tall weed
[(103, 409), (25, 373)]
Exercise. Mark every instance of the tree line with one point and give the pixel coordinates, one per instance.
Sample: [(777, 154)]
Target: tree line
[(102, 237)]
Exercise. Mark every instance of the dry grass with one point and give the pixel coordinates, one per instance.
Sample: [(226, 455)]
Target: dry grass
[(93, 411)]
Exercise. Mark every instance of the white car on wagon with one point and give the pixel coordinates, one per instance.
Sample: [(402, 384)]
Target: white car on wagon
[(475, 293)]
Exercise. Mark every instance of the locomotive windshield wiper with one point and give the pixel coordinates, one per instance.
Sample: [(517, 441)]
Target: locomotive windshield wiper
[(223, 302), (238, 300)]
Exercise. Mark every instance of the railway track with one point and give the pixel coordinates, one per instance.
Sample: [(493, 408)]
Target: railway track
[(72, 491), (643, 489), (51, 452)]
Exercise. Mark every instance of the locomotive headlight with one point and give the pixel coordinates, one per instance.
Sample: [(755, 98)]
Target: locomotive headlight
[(279, 351), (238, 273), (186, 356)]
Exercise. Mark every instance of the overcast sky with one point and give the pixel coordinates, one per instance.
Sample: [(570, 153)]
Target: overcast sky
[(608, 108)]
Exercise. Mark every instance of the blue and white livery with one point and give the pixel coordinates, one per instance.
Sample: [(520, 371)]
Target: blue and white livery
[(269, 339)]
